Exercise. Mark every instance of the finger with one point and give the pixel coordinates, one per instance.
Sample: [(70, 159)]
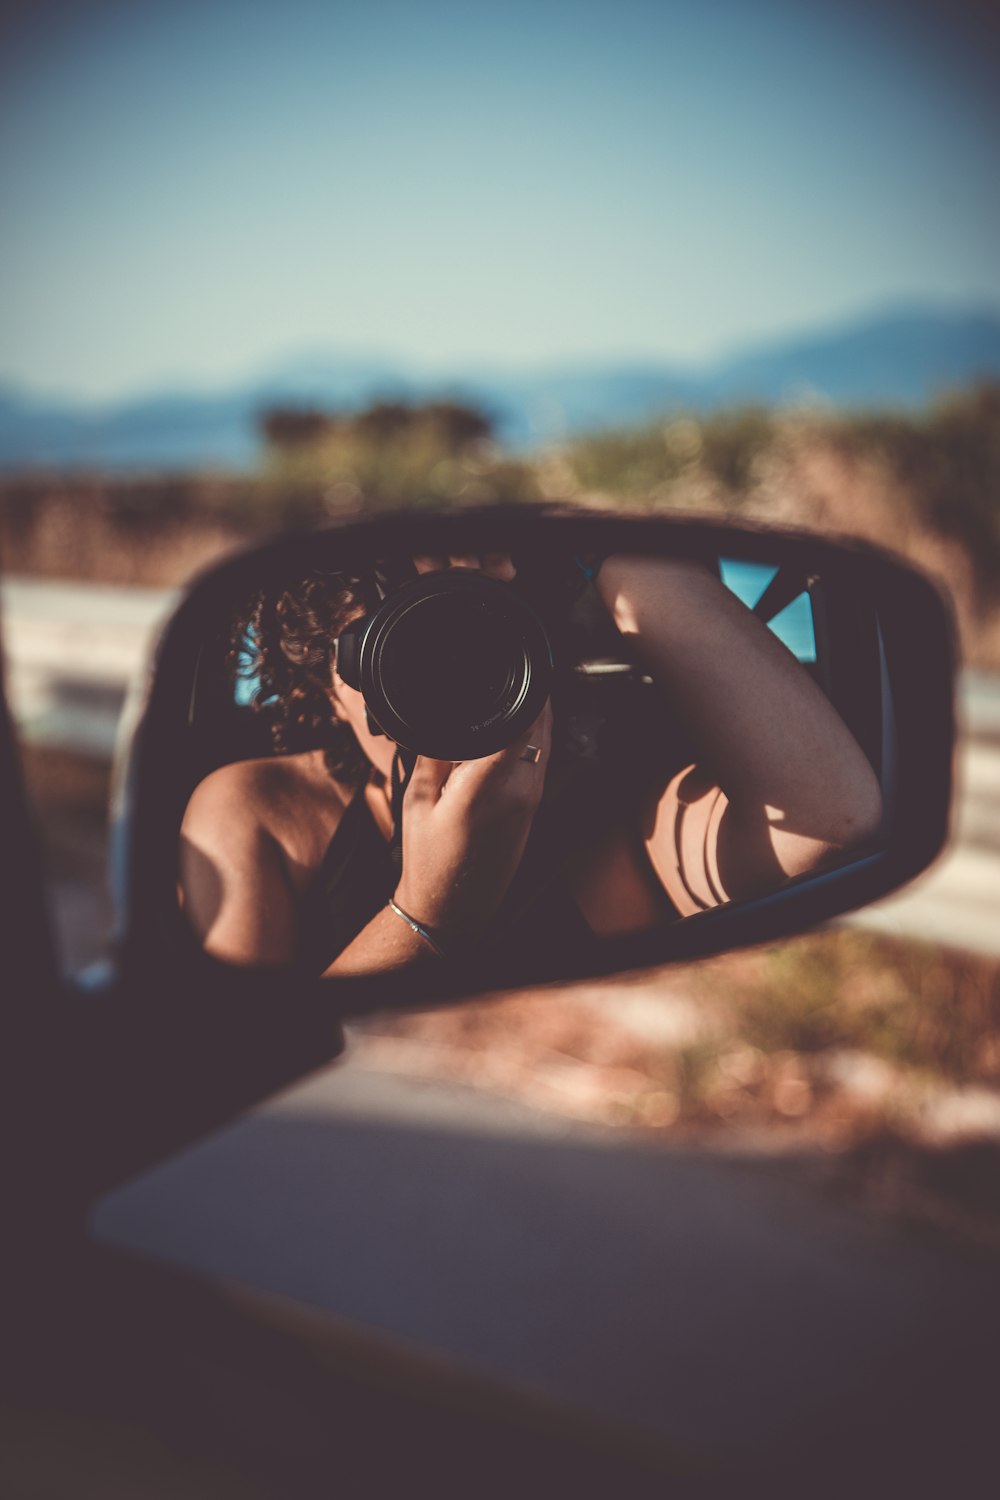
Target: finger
[(470, 773), (461, 560), (532, 750), (538, 737), (430, 564)]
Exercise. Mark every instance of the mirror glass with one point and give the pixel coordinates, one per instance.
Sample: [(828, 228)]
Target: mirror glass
[(503, 759)]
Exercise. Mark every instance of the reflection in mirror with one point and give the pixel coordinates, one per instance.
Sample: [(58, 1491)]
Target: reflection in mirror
[(506, 759)]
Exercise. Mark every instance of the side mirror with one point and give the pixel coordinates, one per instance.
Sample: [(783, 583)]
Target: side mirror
[(781, 756)]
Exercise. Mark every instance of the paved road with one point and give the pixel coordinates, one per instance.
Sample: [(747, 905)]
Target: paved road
[(72, 649)]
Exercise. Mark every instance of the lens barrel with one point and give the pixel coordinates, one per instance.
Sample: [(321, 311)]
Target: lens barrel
[(452, 665)]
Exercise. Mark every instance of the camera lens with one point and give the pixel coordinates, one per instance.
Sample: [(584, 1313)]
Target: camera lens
[(454, 665)]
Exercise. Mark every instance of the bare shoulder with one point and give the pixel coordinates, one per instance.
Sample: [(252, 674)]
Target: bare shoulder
[(251, 837), (247, 787), (290, 798)]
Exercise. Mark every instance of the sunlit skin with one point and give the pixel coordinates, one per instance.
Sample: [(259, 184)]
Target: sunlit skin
[(782, 789)]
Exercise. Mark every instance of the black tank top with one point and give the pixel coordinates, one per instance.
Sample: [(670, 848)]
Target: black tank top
[(538, 923)]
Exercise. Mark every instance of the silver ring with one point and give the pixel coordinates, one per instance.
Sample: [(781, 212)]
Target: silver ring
[(531, 754)]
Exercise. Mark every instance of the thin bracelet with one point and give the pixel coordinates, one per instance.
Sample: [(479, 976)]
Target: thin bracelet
[(428, 938)]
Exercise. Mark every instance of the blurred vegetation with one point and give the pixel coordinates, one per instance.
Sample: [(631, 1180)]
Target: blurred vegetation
[(926, 484), (155, 531), (947, 464), (659, 463), (832, 1028), (391, 454), (916, 1007)]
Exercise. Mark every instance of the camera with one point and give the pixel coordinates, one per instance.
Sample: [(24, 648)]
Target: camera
[(452, 665)]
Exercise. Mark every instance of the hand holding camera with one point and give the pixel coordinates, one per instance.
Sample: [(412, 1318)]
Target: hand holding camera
[(465, 827)]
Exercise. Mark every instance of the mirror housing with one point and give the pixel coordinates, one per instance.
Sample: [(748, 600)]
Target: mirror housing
[(890, 670)]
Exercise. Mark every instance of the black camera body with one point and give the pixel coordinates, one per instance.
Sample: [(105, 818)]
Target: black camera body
[(452, 665)]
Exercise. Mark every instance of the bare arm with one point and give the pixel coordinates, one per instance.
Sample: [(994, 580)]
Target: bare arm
[(464, 831), (237, 894), (780, 783), (465, 828)]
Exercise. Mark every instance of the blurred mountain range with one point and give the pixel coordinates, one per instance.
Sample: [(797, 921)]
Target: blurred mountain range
[(900, 359)]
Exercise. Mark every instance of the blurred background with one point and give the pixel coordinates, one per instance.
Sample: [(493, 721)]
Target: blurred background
[(264, 265)]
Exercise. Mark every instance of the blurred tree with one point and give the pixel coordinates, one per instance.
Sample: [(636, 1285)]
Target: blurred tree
[(459, 426), (384, 421), (391, 453), (290, 427)]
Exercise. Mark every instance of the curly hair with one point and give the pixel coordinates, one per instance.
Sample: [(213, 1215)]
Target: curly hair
[(283, 647)]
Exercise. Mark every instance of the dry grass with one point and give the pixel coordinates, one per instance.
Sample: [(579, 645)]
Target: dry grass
[(153, 533), (814, 1034)]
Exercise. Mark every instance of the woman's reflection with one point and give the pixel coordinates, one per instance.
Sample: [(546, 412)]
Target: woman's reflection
[(540, 849)]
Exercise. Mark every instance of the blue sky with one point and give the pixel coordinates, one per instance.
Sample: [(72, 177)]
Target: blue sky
[(194, 192)]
